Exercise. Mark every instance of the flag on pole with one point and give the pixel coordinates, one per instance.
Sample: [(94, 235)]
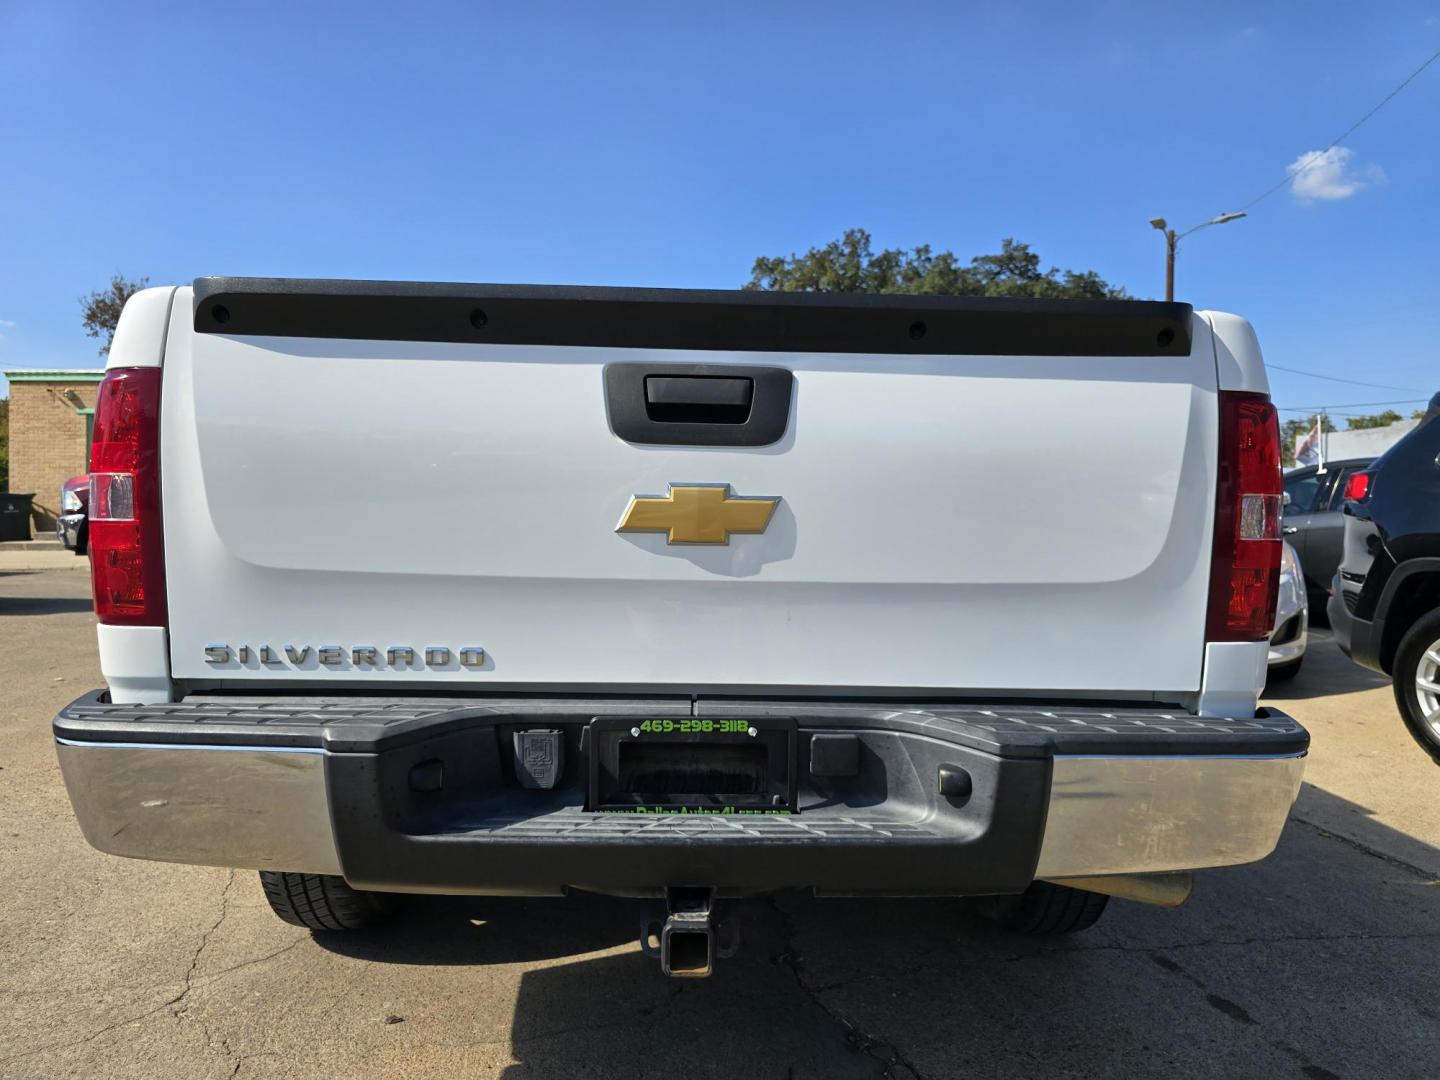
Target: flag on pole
[(1309, 450)]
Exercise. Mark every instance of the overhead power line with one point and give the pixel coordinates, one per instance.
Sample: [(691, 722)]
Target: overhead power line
[(1317, 158), (1333, 415), (1333, 378), (1350, 405)]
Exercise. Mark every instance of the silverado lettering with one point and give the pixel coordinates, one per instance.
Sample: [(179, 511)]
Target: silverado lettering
[(396, 656)]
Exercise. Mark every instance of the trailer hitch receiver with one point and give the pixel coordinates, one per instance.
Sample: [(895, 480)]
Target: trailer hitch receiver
[(690, 934)]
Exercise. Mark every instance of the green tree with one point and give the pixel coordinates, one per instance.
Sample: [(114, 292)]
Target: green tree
[(1384, 419), (851, 265), (1292, 430), (101, 310)]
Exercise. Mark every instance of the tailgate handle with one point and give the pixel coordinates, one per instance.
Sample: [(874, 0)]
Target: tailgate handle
[(698, 399), (698, 404)]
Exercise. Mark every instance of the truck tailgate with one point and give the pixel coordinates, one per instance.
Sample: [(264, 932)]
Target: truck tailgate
[(946, 522)]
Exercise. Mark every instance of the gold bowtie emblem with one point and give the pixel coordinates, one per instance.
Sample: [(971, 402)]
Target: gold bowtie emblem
[(697, 514)]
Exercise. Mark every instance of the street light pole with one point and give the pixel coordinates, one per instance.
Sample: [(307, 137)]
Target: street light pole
[(1172, 241)]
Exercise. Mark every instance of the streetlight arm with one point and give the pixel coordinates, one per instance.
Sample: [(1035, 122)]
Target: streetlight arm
[(1219, 220)]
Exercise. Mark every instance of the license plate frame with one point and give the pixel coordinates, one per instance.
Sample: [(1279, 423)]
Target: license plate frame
[(726, 739)]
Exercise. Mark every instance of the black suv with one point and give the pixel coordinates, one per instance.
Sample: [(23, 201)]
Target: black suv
[(1313, 522), (1385, 605)]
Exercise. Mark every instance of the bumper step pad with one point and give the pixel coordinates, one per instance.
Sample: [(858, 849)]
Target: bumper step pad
[(371, 725)]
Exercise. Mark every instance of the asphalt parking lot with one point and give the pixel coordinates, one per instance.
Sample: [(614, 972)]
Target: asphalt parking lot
[(1322, 961)]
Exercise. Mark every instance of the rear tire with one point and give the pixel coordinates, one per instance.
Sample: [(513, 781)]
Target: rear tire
[(323, 901), (1413, 662), (1284, 672), (1045, 909)]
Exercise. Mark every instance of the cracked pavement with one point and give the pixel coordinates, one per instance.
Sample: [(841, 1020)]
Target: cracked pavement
[(1319, 962)]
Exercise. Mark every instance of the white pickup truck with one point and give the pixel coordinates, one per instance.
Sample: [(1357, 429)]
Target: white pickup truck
[(685, 596)]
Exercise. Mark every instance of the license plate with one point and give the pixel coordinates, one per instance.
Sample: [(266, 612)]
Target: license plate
[(692, 765)]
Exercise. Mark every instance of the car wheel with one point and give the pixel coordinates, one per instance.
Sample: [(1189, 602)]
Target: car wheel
[(1284, 672), (1417, 682), (323, 901), (1045, 909)]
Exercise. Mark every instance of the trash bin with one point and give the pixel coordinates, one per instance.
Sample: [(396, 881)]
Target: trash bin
[(15, 516)]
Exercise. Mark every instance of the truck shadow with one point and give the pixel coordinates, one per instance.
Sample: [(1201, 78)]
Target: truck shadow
[(1318, 961), (479, 930)]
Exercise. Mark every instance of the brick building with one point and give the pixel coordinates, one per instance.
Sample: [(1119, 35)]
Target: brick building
[(50, 417)]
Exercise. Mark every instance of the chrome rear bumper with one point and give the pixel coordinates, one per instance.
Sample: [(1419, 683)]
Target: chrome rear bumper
[(256, 808), (1139, 815), (340, 806)]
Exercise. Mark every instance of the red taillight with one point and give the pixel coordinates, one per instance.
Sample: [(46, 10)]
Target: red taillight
[(1245, 560), (1357, 486), (127, 563)]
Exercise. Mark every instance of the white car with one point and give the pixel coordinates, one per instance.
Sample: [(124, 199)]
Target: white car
[(1292, 620)]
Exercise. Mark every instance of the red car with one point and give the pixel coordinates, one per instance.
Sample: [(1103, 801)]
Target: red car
[(71, 525)]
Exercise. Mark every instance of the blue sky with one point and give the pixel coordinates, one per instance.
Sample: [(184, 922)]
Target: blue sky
[(669, 144)]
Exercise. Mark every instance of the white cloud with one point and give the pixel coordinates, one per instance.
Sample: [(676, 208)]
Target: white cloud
[(7, 323), (1329, 174)]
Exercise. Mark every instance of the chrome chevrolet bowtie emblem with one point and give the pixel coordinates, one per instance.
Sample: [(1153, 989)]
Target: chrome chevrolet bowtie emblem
[(697, 514)]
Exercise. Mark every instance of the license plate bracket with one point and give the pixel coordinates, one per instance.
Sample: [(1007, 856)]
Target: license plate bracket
[(692, 765)]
